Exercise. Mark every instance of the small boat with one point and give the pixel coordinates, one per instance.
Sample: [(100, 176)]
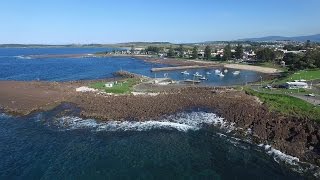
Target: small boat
[(185, 73), (225, 71), (217, 71), (203, 78), (197, 74), (220, 74), (236, 73), (208, 73)]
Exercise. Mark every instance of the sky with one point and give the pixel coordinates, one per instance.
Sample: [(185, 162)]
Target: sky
[(177, 21)]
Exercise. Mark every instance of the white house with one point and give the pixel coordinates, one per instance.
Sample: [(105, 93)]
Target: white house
[(296, 85), (109, 85)]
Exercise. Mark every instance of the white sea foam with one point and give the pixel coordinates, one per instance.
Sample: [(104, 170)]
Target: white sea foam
[(296, 164), (4, 116), (22, 57), (181, 122), (280, 156)]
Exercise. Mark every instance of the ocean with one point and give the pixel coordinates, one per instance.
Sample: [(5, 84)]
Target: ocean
[(57, 144), (16, 64)]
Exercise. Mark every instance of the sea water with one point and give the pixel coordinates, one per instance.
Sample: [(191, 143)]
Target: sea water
[(16, 64), (188, 145)]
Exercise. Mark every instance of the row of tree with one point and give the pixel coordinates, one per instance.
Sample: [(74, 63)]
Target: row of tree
[(309, 60), (180, 52)]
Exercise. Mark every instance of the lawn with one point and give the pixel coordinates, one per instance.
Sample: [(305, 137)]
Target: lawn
[(271, 65), (287, 105), (303, 74), (287, 91), (122, 87)]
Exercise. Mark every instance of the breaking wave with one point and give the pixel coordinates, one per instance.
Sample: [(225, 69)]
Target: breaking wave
[(4, 116), (181, 122), (294, 162)]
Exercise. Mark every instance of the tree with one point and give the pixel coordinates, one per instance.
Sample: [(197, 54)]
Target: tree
[(207, 53), (181, 50), (132, 49), (227, 52), (218, 57), (291, 47), (310, 60), (239, 51), (171, 52), (195, 52), (266, 54), (153, 49)]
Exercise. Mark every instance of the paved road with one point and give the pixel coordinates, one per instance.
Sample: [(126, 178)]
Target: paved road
[(313, 100)]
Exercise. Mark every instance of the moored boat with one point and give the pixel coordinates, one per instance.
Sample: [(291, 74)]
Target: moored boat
[(197, 74), (236, 73), (185, 73)]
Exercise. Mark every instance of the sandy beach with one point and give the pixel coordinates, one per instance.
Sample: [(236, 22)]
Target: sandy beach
[(265, 70)]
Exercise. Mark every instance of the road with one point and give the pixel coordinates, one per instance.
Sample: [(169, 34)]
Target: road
[(313, 100)]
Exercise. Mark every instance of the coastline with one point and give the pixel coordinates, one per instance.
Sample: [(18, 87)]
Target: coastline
[(235, 106), (171, 61)]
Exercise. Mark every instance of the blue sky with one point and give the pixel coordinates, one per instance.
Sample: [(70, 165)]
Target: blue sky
[(111, 21)]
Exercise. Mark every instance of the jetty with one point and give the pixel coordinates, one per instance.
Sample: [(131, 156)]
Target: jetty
[(192, 81), (182, 68)]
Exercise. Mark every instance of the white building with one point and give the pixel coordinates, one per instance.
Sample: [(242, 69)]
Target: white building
[(109, 85), (296, 85)]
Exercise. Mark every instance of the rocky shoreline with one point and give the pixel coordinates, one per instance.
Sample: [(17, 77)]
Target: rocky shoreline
[(296, 137)]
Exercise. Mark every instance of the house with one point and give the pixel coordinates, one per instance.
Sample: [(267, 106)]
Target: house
[(296, 85), (109, 85)]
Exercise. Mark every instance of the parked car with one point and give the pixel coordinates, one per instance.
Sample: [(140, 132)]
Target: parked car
[(268, 87), (310, 95)]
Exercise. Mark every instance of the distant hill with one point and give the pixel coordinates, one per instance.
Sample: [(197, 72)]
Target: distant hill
[(313, 38)]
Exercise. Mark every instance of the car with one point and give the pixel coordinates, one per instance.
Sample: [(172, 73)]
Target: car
[(310, 95), (268, 87)]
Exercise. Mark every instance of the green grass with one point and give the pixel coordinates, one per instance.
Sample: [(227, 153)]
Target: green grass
[(303, 74), (271, 65), (286, 91), (123, 87), (287, 105)]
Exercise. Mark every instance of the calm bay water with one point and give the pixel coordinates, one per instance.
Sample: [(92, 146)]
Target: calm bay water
[(15, 66), (48, 146)]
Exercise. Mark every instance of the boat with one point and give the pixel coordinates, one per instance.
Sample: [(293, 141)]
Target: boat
[(220, 74), (217, 71), (185, 73), (203, 78), (208, 73), (197, 74), (236, 73), (225, 71)]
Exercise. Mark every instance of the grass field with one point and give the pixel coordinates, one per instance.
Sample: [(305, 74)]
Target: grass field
[(123, 87), (287, 91), (303, 74), (287, 105), (271, 65)]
